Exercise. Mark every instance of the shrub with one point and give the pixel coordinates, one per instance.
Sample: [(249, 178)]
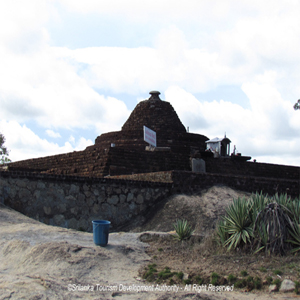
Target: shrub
[(183, 230), (278, 272), (231, 278), (244, 273), (237, 223), (179, 275), (150, 273), (222, 232), (277, 282), (295, 235), (263, 269), (250, 282), (257, 283), (199, 280), (240, 283), (263, 222), (257, 203), (271, 227), (297, 286), (165, 274), (269, 279), (214, 278)]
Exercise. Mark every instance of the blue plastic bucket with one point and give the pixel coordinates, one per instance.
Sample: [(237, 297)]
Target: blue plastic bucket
[(100, 232)]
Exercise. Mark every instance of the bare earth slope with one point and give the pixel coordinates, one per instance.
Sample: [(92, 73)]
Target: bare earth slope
[(202, 211), (45, 262), (39, 261)]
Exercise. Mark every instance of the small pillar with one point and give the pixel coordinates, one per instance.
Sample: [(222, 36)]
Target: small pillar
[(154, 96)]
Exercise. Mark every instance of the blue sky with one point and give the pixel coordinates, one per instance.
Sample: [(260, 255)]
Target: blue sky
[(72, 70)]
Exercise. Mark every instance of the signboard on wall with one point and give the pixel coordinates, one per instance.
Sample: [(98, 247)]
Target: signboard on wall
[(150, 136)]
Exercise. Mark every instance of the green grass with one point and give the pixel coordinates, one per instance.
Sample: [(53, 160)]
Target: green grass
[(257, 283), (179, 275), (231, 278), (199, 280), (263, 269), (278, 272), (241, 283), (269, 280), (214, 278), (277, 281)]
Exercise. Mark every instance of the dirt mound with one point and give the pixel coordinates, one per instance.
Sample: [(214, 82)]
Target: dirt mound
[(201, 211), (45, 262)]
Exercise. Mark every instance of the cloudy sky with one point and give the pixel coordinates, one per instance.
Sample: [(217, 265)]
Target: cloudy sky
[(72, 70)]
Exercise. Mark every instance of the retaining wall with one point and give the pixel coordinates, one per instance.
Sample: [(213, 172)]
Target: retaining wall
[(73, 202)]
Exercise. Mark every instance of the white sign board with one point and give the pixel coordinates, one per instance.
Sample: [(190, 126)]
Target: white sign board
[(150, 136)]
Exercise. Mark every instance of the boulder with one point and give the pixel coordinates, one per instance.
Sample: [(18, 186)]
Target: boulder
[(287, 286)]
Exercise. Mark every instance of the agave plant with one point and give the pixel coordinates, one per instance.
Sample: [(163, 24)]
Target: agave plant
[(272, 226), (221, 232), (295, 229), (294, 207), (257, 203), (183, 230), (237, 223), (295, 234)]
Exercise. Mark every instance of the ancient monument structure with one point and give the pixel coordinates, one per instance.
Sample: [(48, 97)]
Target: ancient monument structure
[(124, 152), (121, 179)]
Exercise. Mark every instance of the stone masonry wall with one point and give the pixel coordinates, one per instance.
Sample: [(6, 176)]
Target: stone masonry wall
[(73, 202)]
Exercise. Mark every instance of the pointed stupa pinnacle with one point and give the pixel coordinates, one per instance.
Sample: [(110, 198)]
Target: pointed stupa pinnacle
[(154, 95)]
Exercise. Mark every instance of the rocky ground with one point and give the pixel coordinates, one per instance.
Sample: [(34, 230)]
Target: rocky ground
[(45, 262)]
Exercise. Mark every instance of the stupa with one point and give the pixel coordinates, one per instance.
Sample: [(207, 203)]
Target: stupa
[(124, 151)]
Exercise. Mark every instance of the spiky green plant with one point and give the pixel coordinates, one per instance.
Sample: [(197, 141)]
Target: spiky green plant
[(237, 223), (257, 203), (294, 207), (261, 240), (271, 227), (222, 232), (282, 199), (294, 231), (269, 223), (183, 230), (295, 236)]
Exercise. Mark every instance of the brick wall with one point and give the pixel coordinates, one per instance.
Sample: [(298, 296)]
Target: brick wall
[(189, 182), (234, 167)]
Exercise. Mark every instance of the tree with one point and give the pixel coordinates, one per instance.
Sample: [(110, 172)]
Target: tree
[(3, 151), (297, 105)]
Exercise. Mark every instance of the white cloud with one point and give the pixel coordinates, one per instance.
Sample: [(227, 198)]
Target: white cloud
[(23, 143), (267, 130), (196, 47), (53, 134), (72, 139), (22, 29), (50, 91)]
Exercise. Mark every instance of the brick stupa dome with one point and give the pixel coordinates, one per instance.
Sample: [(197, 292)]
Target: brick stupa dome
[(124, 151), (156, 114), (160, 117)]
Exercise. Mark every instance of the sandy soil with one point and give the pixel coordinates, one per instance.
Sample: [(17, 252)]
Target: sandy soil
[(45, 262)]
